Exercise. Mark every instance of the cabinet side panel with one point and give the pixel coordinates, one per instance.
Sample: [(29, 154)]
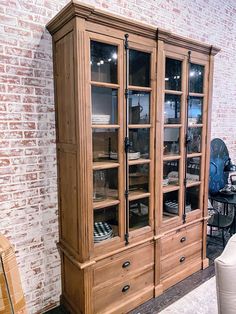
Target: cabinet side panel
[(65, 80), (68, 199), (73, 286)]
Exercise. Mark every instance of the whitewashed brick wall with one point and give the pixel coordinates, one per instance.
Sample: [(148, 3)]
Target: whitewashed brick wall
[(28, 192)]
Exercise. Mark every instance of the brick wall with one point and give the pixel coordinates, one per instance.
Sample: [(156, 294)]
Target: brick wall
[(28, 192)]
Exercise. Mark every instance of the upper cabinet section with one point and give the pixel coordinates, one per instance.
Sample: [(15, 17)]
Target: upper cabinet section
[(196, 78), (173, 74), (139, 68)]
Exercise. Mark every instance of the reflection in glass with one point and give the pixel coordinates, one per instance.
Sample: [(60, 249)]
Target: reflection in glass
[(139, 143), (105, 144), (171, 141), (173, 74), (138, 213), (139, 178), (171, 172), (139, 68), (105, 184), (139, 104), (170, 204), (192, 198), (172, 109), (104, 105), (103, 62), (195, 137), (105, 223), (193, 169), (196, 78), (195, 110)]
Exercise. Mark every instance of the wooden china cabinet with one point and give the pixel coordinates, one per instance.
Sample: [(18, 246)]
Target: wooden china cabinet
[(132, 117)]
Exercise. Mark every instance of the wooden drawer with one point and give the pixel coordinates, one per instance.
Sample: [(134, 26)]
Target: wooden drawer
[(109, 299), (180, 239), (176, 262), (119, 266)]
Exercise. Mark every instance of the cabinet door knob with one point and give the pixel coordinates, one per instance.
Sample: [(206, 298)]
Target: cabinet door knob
[(125, 288), (182, 259), (126, 264), (183, 239)]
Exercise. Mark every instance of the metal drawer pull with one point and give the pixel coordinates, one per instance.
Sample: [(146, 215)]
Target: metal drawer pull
[(182, 259), (125, 288), (183, 239), (126, 264)]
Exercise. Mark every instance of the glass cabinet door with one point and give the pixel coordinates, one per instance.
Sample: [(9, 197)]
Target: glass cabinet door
[(106, 151), (140, 157), (196, 129), (172, 139)]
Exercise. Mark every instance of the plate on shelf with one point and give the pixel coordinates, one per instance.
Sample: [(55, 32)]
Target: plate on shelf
[(101, 119), (131, 156)]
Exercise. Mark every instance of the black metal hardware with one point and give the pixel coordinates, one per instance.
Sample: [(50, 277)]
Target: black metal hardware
[(127, 143), (126, 288), (183, 239), (126, 264), (182, 259)]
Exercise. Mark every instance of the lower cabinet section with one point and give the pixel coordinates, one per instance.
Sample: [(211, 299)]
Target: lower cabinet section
[(122, 281)]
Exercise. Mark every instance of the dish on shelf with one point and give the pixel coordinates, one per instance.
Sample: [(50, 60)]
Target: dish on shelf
[(131, 156), (101, 119), (173, 207), (102, 231)]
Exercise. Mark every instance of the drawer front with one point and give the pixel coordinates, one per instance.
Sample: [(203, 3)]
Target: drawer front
[(176, 262), (121, 265), (112, 296), (180, 239)]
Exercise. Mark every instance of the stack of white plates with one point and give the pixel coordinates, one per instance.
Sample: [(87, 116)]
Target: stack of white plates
[(102, 231), (101, 119)]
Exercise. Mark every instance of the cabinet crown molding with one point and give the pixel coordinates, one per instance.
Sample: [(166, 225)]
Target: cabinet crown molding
[(92, 14)]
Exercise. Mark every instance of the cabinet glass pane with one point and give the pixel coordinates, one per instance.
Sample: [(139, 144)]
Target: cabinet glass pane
[(192, 198), (105, 185), (196, 78), (105, 144), (139, 143), (139, 68), (170, 205), (171, 172), (138, 213), (104, 105), (193, 169), (139, 104), (172, 109), (171, 141), (195, 110), (173, 74), (139, 178), (105, 223), (195, 137), (103, 62)]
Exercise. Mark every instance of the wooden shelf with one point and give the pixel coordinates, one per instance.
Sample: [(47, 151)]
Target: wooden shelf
[(139, 126), (103, 84), (138, 194), (192, 183), (140, 88), (110, 201), (166, 216), (99, 165), (171, 157), (105, 126), (192, 155), (173, 92), (170, 188), (139, 161), (196, 95), (172, 125)]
